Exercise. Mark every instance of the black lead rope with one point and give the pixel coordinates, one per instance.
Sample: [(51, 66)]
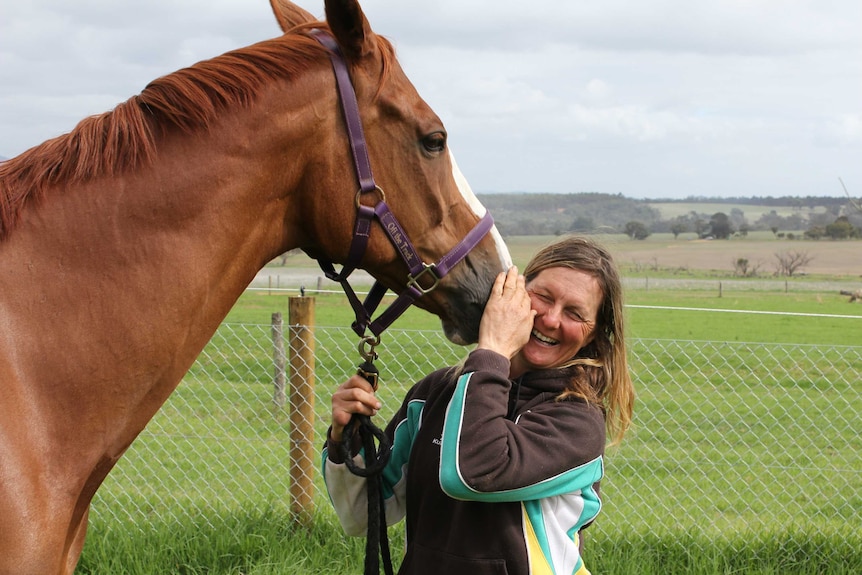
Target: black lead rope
[(377, 540)]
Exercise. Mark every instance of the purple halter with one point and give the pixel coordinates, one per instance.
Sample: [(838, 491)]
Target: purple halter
[(366, 214)]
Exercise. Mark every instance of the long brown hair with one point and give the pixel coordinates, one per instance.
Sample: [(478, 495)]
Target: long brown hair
[(604, 375)]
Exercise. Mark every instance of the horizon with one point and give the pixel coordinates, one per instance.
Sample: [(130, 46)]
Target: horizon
[(691, 199)]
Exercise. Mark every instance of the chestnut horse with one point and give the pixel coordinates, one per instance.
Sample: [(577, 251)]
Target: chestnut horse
[(124, 244)]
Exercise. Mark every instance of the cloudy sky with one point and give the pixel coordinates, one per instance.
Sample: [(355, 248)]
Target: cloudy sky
[(647, 98)]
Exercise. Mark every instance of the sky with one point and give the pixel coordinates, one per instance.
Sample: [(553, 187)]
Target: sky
[(644, 98)]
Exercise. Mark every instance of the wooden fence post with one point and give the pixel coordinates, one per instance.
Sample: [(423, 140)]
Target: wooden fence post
[(302, 449), (278, 359)]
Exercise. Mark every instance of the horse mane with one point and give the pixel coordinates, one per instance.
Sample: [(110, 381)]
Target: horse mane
[(125, 138)]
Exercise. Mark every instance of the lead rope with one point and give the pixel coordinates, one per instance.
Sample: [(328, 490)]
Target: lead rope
[(376, 458)]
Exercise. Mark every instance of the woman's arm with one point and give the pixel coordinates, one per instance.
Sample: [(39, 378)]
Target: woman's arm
[(556, 447), (347, 491)]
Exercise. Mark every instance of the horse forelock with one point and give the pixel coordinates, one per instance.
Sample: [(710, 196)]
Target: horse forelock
[(125, 138)]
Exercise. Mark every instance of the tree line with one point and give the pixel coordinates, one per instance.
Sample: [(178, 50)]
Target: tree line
[(554, 214)]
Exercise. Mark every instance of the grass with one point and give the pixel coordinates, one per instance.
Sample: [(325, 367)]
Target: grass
[(268, 543), (264, 542), (757, 553), (333, 310), (797, 326)]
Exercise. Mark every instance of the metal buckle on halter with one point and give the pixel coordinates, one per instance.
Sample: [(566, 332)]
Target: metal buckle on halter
[(377, 189), (413, 280)]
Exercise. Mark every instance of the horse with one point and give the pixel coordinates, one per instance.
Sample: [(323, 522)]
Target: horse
[(124, 244)]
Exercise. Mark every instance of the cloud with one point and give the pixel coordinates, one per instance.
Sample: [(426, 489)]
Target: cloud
[(669, 96), (730, 27)]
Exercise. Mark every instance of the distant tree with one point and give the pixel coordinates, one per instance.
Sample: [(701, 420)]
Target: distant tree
[(790, 262), (737, 218), (583, 224), (815, 232), (746, 268), (636, 230), (701, 227), (840, 229), (678, 228), (744, 228), (719, 226)]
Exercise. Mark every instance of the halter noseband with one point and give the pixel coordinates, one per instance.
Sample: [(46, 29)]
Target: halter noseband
[(418, 270)]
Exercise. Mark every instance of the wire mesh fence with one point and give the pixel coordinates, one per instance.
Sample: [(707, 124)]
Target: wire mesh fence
[(728, 437)]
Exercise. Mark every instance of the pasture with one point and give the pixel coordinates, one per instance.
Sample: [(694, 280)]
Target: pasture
[(670, 210), (661, 255), (744, 457), (687, 256)]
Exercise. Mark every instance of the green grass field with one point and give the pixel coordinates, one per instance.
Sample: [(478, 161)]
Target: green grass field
[(798, 515), (844, 328)]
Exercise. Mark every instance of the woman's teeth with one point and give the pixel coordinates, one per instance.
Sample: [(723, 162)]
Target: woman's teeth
[(543, 338)]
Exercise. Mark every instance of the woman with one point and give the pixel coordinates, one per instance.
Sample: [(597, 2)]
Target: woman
[(496, 463)]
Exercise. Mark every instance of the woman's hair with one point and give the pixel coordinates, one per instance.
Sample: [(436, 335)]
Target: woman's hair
[(603, 376)]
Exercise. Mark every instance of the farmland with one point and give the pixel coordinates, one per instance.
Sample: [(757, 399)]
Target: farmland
[(688, 255), (662, 254), (670, 210)]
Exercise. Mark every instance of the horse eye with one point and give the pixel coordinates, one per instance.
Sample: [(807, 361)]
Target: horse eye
[(435, 142)]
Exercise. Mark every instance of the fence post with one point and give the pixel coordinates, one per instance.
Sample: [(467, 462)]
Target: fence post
[(278, 358), (302, 448)]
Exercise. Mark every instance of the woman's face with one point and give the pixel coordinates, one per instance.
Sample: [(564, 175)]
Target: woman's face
[(567, 304)]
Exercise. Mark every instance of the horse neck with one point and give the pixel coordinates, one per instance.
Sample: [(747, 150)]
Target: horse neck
[(174, 243), (216, 218)]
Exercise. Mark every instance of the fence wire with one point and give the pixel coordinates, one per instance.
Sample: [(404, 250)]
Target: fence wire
[(727, 437)]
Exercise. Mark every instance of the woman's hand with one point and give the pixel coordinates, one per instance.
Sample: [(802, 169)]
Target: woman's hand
[(508, 318), (353, 396)]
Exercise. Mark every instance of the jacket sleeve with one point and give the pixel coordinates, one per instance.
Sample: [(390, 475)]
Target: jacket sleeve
[(348, 492), (554, 448)]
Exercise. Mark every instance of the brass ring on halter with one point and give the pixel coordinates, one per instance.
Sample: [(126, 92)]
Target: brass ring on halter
[(367, 345), (377, 189)]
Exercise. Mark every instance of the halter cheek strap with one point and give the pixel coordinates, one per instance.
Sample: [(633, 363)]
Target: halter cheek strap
[(419, 271)]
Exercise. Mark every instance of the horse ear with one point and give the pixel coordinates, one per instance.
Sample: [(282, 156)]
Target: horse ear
[(350, 27), (289, 15)]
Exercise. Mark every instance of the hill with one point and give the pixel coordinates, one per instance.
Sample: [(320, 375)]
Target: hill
[(552, 214)]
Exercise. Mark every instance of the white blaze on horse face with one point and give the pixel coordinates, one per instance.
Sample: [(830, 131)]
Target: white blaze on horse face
[(480, 210)]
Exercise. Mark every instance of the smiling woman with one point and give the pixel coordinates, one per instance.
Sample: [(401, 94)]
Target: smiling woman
[(566, 302), (496, 463)]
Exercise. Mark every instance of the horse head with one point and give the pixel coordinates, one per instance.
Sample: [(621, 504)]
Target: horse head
[(414, 170)]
